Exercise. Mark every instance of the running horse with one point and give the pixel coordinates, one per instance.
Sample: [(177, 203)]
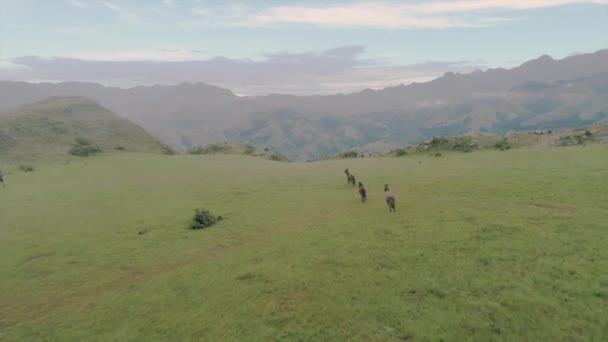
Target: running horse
[(390, 198), (362, 192), (350, 178)]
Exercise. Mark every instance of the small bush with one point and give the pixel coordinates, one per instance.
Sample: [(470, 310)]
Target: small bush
[(278, 157), (349, 154), (588, 134), (438, 154), (197, 150), (204, 218), (120, 148), (399, 152), (438, 142), (83, 148), (502, 145), (212, 148), (464, 144), (570, 140), (249, 149), (26, 168), (167, 150)]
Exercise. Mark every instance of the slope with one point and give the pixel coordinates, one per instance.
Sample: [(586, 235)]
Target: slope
[(47, 129)]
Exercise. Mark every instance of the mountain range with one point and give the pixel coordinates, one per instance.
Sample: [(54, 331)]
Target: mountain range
[(543, 93)]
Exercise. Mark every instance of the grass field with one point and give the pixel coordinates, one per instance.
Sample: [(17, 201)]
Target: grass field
[(484, 246)]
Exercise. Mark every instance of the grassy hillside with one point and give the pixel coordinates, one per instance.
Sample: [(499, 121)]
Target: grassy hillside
[(47, 130), (484, 246)]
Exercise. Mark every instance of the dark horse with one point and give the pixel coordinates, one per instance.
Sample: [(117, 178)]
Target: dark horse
[(350, 178), (362, 192), (390, 199)]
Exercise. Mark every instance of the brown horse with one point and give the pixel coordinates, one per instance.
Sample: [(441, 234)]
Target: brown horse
[(350, 178), (362, 192), (390, 199)]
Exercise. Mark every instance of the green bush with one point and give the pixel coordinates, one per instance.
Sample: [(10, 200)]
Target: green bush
[(502, 145), (249, 149), (83, 148), (464, 144), (204, 218), (438, 154), (168, 150), (197, 150), (26, 168), (437, 142), (349, 154), (212, 148), (278, 157), (120, 148), (588, 134), (400, 152), (569, 140)]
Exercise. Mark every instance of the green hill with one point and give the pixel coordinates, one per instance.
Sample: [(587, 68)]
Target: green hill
[(48, 129), (484, 246)]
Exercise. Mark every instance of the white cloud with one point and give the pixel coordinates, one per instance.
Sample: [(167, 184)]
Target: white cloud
[(156, 55), (429, 14), (122, 13), (169, 3), (342, 69), (78, 3)]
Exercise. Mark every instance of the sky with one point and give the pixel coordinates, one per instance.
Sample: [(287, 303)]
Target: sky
[(293, 47)]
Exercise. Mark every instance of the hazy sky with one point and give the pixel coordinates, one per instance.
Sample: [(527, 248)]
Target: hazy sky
[(299, 47)]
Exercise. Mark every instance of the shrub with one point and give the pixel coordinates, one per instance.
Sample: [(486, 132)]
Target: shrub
[(588, 134), (212, 148), (120, 148), (278, 157), (502, 145), (400, 152), (570, 140), (464, 144), (349, 154), (249, 149), (26, 168), (83, 148), (438, 142), (438, 154), (204, 218), (197, 150), (167, 150), (217, 148)]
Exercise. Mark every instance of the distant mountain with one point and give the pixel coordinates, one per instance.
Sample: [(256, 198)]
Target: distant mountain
[(540, 93), (48, 129)]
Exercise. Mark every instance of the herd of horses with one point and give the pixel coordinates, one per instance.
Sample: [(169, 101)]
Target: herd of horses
[(389, 197)]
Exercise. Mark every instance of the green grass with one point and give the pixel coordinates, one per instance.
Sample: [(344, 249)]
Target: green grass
[(484, 246)]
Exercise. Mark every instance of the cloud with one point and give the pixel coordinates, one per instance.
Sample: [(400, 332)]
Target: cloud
[(342, 69), (387, 14), (122, 13), (78, 3), (169, 3)]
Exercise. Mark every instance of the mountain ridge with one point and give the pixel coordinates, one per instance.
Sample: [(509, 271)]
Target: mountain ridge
[(192, 114)]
